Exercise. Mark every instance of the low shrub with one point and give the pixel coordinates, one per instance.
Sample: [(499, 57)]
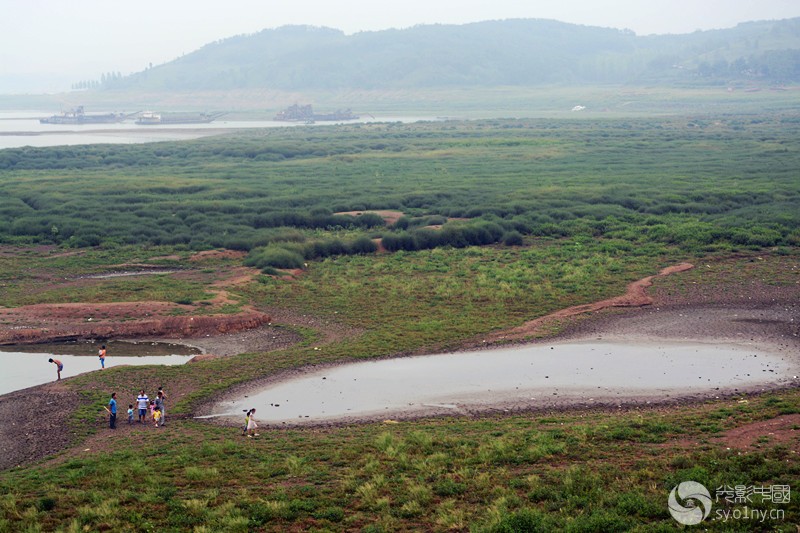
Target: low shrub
[(274, 256)]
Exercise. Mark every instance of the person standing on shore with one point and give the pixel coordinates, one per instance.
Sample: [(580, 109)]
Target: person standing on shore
[(59, 366), (160, 408), (112, 409), (101, 353), (142, 403), (163, 406)]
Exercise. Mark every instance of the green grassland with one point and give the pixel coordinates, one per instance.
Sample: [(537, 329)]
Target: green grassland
[(573, 472), (592, 205)]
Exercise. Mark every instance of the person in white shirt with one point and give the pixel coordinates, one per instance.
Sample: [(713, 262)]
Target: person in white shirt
[(142, 403)]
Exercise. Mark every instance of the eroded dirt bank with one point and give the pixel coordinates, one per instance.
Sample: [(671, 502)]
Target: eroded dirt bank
[(69, 322)]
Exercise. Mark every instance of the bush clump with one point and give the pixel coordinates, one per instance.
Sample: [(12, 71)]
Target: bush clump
[(275, 257), (363, 245), (512, 238)]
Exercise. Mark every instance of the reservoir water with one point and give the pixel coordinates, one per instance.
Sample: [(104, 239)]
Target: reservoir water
[(513, 378), (25, 366), (22, 128)]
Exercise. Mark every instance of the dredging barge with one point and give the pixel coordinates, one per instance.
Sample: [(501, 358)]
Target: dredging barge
[(305, 113), (79, 116), (150, 118)]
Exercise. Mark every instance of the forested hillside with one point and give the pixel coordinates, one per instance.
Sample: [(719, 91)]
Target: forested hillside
[(485, 54)]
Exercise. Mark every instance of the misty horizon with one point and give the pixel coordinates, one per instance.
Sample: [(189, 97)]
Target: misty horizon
[(41, 51)]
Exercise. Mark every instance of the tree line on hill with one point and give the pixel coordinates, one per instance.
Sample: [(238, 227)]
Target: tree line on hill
[(521, 52)]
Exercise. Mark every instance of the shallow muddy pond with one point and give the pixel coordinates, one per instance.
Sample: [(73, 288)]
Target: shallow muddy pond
[(513, 378), (24, 366), (114, 348)]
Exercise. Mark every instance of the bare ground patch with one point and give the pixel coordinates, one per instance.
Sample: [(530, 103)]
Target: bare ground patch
[(781, 430), (389, 217)]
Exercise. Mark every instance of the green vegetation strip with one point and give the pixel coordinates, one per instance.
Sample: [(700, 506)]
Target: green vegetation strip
[(699, 183), (573, 472)]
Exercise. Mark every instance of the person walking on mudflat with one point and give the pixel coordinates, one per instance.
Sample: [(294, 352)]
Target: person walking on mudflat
[(59, 366), (101, 353), (142, 403), (250, 424), (112, 410)]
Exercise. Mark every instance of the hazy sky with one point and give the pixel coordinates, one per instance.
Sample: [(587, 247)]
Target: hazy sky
[(49, 44)]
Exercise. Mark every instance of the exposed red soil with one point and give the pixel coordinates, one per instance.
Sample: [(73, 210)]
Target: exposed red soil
[(784, 429), (208, 255), (124, 320), (291, 274), (61, 322), (449, 219), (379, 243)]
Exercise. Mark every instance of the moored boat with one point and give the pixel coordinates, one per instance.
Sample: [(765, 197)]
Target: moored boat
[(79, 116), (151, 118), (305, 113)]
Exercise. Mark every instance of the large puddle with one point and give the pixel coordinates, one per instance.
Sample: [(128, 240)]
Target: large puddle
[(513, 378), (24, 366)]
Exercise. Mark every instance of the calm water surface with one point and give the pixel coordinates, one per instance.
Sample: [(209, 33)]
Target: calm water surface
[(517, 377), (25, 366), (22, 128)]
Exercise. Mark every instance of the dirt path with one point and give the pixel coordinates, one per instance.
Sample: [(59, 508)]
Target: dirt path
[(784, 429), (635, 296)]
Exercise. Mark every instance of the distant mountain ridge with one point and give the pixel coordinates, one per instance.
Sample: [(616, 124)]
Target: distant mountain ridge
[(519, 52)]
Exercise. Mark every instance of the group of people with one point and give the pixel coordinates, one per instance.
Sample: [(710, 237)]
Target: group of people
[(157, 410), (101, 353), (155, 407)]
